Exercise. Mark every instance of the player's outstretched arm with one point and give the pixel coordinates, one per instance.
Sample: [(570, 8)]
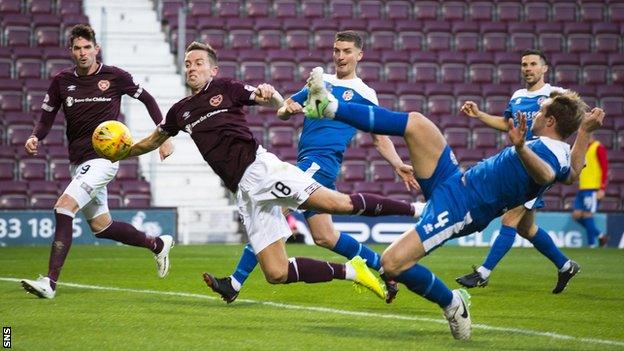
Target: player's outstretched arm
[(266, 95), (471, 109), (386, 149), (147, 144), (289, 108), (591, 122), (537, 169)]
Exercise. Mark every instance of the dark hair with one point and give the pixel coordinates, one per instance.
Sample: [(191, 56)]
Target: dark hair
[(350, 36), (212, 54), (536, 52), (81, 31), (568, 109)]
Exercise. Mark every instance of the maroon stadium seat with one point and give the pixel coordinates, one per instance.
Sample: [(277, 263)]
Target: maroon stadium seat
[(496, 105), (281, 137), (252, 71), (8, 167), (10, 7), (468, 42), (537, 12), (593, 74), (409, 103), (382, 40), (412, 41), (564, 11), (369, 71), (270, 39), (370, 9), (453, 11), (481, 73), (14, 201), (425, 72), (613, 106), (135, 187), (592, 12), (354, 171), (340, 9), (128, 170), (520, 41), (382, 171), (494, 42), (33, 169), (397, 71), (16, 36), (485, 138), (441, 104), (59, 170), (509, 11), (324, 39), (241, 39), (481, 11), (439, 41), (69, 7), (313, 9), (550, 42), (344, 187), (258, 9), (11, 101), (423, 10), (215, 37), (228, 8), (607, 37), (552, 203), (282, 71), (18, 134), (137, 201), (363, 140), (285, 8), (367, 187), (453, 72)]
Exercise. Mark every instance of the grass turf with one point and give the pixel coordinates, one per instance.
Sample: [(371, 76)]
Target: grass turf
[(514, 313)]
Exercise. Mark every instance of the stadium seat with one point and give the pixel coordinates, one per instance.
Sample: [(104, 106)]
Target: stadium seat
[(137, 201), (552, 203), (382, 40), (215, 37), (285, 8), (33, 169), (281, 137), (606, 137), (509, 11), (564, 11), (398, 10), (382, 171), (353, 171), (467, 42), (485, 138), (520, 41), (425, 72), (536, 12), (594, 75), (496, 105), (252, 72), (341, 9), (257, 9), (269, 39), (441, 105), (367, 187), (282, 71), (313, 9), (592, 12), (324, 39), (494, 42), (409, 103), (481, 73), (241, 39), (423, 10), (453, 73), (344, 187), (69, 7), (14, 201), (410, 41), (128, 170), (453, 11), (481, 11), (613, 106), (370, 9), (397, 72), (369, 71)]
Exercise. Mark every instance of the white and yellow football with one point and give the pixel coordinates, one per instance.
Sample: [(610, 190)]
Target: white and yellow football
[(112, 140)]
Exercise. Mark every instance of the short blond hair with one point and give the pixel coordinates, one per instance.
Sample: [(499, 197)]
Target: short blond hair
[(568, 109)]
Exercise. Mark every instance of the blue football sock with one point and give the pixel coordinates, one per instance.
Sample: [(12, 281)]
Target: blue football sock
[(544, 244), (372, 119), (246, 264), (349, 248), (502, 244), (592, 231), (423, 282)]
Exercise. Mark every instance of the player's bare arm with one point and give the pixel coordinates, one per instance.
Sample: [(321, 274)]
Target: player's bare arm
[(386, 149), (147, 144), (289, 108), (166, 149), (471, 109), (537, 169), (592, 121), (266, 95)]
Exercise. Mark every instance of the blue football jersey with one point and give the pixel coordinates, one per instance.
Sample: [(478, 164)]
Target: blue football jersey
[(326, 140), (529, 103), (501, 182)]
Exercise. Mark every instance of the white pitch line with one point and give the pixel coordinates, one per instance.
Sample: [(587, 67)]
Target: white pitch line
[(344, 312)]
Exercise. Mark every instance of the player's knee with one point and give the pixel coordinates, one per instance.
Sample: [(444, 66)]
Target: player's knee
[(66, 203), (276, 275), (527, 231), (389, 264), (322, 241)]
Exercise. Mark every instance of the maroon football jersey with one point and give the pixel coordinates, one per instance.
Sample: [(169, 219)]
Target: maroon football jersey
[(88, 101), (215, 120)]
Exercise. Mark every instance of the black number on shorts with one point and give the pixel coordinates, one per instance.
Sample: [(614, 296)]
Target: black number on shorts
[(84, 169), (282, 188)]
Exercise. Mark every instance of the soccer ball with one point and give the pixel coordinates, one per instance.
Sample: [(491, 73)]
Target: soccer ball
[(112, 140)]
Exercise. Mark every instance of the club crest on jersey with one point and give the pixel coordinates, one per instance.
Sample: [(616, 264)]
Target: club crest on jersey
[(518, 101), (216, 100), (69, 101), (103, 85), (71, 88), (347, 95), (540, 100)]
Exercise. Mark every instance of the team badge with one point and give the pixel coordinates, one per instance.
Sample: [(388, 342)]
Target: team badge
[(103, 85), (216, 100), (69, 101), (518, 101), (540, 100), (347, 95)]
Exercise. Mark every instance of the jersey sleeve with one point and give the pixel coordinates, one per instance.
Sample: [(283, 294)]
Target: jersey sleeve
[(52, 101), (556, 156), (169, 125), (242, 93), (301, 96), (508, 111), (128, 86)]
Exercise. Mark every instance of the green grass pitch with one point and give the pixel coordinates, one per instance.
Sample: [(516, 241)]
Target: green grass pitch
[(111, 299)]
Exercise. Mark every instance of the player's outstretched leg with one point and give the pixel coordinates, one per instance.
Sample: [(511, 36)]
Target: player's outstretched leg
[(45, 287), (481, 275), (322, 104), (129, 235), (566, 267), (229, 287)]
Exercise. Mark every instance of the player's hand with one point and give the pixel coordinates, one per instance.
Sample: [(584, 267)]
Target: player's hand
[(165, 150), (471, 109), (517, 134), (406, 172), (593, 120), (600, 194), (264, 92), (31, 145), (293, 107)]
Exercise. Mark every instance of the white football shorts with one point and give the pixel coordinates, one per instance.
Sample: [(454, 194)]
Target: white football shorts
[(88, 185), (267, 185)]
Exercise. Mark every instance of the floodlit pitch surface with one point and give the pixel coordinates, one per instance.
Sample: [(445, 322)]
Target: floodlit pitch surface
[(111, 299)]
